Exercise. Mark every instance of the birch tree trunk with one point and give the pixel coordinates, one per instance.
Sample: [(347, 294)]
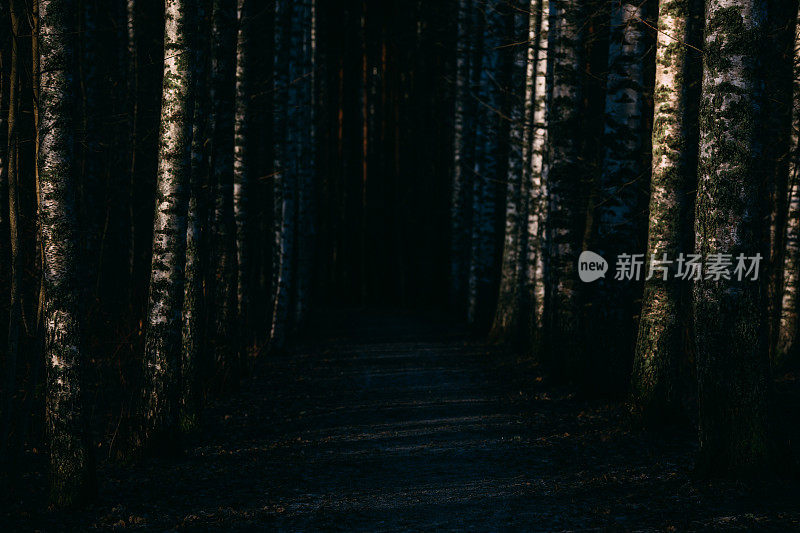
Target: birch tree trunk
[(223, 232), (507, 315), (731, 328), (622, 182), (660, 365), (241, 179), (193, 335), (787, 349), (534, 282), (132, 85), (163, 338), (778, 60), (71, 460), (460, 208), (565, 211)]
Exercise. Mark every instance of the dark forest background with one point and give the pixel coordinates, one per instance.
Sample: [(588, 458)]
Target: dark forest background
[(230, 171)]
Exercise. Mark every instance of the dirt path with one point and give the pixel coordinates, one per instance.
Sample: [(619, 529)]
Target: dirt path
[(392, 422)]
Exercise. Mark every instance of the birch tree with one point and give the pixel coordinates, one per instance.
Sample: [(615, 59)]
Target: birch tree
[(71, 460), (731, 330), (163, 339), (787, 349), (621, 185), (507, 315), (241, 179), (659, 361), (565, 209), (534, 280), (790, 321), (777, 60)]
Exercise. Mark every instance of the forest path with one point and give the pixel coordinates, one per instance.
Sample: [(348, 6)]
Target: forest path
[(388, 421)]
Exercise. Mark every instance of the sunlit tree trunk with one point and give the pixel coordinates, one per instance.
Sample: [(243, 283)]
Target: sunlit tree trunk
[(565, 209), (787, 350), (163, 339), (223, 228), (659, 360), (193, 334), (460, 206), (622, 180), (731, 327), (507, 315), (534, 280), (71, 461)]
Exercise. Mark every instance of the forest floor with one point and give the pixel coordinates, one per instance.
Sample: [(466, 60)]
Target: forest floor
[(391, 421)]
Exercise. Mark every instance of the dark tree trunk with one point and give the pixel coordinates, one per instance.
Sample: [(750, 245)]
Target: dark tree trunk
[(13, 180), (194, 303), (622, 181), (730, 315), (223, 228), (285, 191), (565, 221), (241, 173), (463, 137)]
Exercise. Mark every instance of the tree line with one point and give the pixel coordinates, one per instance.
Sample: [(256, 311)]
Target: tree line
[(187, 181), (656, 128), (207, 304)]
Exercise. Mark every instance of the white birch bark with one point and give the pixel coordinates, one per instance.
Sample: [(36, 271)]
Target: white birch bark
[(71, 460), (164, 321), (537, 194), (659, 367)]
